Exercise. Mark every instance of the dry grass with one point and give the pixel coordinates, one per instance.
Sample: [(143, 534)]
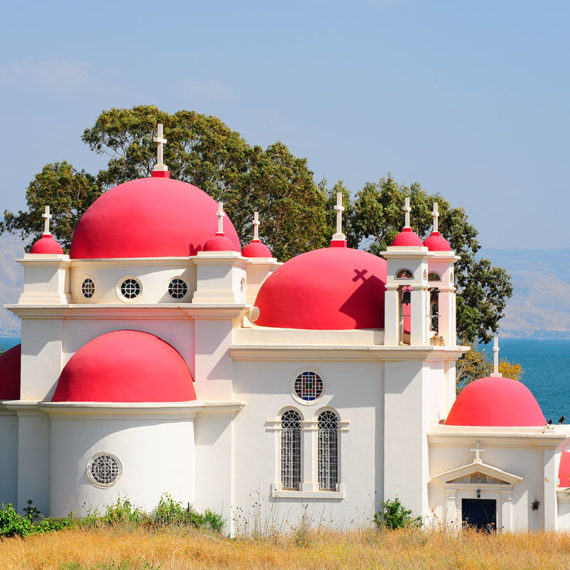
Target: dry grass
[(185, 548)]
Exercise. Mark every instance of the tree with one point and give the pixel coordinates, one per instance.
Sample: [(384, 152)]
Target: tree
[(482, 289), (201, 150)]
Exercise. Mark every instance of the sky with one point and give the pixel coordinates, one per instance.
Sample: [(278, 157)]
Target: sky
[(469, 98)]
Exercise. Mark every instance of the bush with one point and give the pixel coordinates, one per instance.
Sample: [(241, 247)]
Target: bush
[(13, 524), (171, 512), (394, 515), (122, 512)]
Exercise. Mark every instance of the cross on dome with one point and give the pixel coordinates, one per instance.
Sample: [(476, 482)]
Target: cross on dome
[(255, 226), (435, 214), (477, 451), (407, 211), (496, 373), (161, 141), (339, 209), (220, 213), (47, 217)]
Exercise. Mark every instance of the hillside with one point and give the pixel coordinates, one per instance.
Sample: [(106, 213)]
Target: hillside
[(540, 306)]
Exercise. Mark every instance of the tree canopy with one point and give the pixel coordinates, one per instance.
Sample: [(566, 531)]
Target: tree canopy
[(297, 214)]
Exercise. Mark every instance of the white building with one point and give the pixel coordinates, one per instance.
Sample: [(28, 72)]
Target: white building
[(158, 357)]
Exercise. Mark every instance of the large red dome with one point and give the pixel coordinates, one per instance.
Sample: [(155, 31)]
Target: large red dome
[(149, 217), (497, 402), (126, 366), (326, 289), (10, 363)]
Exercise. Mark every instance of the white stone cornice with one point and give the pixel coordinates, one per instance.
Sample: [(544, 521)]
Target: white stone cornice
[(448, 436)]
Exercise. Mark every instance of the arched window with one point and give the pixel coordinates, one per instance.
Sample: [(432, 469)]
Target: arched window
[(328, 451), (404, 274), (434, 309), (291, 450)]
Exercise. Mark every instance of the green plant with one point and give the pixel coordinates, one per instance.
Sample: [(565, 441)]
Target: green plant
[(394, 515), (171, 512), (123, 511), (13, 524)]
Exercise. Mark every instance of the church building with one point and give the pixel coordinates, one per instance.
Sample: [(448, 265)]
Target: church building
[(161, 357)]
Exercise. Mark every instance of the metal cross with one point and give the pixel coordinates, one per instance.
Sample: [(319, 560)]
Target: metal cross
[(161, 141), (435, 215), (477, 451), (407, 211), (220, 213), (47, 217), (255, 226)]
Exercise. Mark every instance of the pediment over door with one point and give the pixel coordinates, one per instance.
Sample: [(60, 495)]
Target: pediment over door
[(477, 473)]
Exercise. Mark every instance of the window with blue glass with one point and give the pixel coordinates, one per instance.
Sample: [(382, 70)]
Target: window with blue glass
[(308, 386)]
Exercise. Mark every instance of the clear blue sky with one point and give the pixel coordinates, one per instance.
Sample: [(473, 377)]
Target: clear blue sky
[(471, 99)]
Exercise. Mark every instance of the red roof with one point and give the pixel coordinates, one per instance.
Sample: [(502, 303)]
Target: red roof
[(332, 289), (46, 244), (564, 469), (495, 402), (10, 365), (219, 243), (125, 366), (149, 217), (256, 249), (436, 242), (407, 238)]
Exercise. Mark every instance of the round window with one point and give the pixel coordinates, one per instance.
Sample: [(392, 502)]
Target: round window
[(177, 288), (88, 288), (308, 386), (104, 469), (130, 288)]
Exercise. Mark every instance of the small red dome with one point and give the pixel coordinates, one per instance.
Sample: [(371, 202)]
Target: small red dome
[(10, 366), (219, 243), (125, 366), (46, 244), (326, 289), (149, 217), (498, 402), (564, 469), (407, 238), (436, 242), (256, 249)]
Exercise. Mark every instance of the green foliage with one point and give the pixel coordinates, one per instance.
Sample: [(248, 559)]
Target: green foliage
[(170, 512), (394, 515), (31, 522), (483, 290), (122, 512)]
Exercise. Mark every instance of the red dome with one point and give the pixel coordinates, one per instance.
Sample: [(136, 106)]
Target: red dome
[(495, 402), (125, 366), (149, 217), (326, 289), (256, 249), (407, 238), (46, 244), (436, 242), (219, 243), (10, 364), (564, 469)]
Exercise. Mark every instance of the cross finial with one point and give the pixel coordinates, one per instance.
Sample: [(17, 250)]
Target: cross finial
[(496, 373), (339, 209), (407, 211), (477, 451), (47, 217), (255, 226), (435, 214), (220, 213), (160, 141)]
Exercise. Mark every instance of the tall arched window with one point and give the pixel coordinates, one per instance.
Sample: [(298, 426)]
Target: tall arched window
[(328, 451), (291, 450)]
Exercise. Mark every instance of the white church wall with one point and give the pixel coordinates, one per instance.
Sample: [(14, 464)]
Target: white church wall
[(154, 275), (41, 357), (157, 456), (9, 457), (563, 499), (354, 391)]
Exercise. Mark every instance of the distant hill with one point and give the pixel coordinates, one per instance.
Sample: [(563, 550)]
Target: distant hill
[(540, 306)]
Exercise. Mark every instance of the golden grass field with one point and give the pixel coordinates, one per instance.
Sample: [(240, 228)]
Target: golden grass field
[(187, 548)]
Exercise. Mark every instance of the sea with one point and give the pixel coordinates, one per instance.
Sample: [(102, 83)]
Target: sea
[(545, 365)]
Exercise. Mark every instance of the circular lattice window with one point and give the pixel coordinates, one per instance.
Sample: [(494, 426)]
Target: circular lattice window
[(308, 386), (88, 288), (177, 288), (130, 288), (104, 469)]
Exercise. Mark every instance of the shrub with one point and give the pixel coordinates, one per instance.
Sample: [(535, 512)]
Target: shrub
[(123, 511), (394, 515), (13, 524), (171, 512)]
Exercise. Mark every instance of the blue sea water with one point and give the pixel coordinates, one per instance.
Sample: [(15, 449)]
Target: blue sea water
[(545, 364)]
